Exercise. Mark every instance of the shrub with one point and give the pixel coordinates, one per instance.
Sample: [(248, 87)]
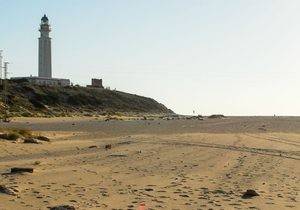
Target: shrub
[(12, 136), (25, 133), (26, 114), (216, 116), (42, 138)]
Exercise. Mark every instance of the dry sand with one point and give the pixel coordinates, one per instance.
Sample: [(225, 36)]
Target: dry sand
[(174, 164)]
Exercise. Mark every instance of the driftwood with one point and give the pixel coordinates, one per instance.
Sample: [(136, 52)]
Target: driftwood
[(117, 155), (42, 138), (21, 170), (7, 190), (31, 141), (62, 207)]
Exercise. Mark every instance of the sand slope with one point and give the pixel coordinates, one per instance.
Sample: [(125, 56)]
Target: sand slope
[(177, 164)]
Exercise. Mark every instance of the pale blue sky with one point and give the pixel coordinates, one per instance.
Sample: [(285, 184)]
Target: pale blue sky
[(235, 57)]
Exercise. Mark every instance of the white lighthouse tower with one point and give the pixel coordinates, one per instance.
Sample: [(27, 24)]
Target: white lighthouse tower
[(45, 66)]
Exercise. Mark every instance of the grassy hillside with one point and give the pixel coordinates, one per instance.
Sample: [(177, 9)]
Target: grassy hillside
[(25, 99)]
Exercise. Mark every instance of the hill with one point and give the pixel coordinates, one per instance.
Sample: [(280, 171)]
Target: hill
[(25, 99)]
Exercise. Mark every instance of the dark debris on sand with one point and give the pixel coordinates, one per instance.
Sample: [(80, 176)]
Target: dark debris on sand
[(249, 194), (7, 190), (62, 207)]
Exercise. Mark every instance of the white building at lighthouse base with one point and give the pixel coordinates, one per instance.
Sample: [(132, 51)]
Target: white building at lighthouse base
[(45, 81)]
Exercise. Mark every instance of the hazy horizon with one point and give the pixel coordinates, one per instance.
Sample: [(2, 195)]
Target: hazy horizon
[(215, 57)]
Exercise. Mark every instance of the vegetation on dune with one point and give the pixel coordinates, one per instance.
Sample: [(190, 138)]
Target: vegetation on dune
[(9, 136), (25, 99), (14, 134)]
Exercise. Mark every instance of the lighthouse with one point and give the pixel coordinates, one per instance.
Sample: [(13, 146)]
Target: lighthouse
[(45, 62), (45, 65)]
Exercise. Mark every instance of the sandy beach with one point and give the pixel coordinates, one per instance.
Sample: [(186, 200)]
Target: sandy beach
[(163, 164)]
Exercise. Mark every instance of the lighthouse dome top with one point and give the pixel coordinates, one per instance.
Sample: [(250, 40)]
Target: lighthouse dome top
[(44, 19)]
